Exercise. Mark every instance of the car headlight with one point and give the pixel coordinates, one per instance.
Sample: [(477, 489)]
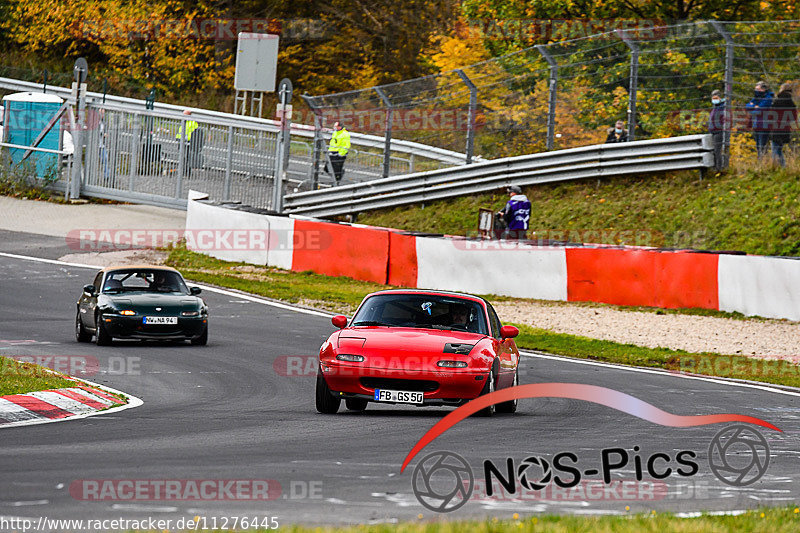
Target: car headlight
[(452, 364), (127, 312), (350, 357), (190, 313)]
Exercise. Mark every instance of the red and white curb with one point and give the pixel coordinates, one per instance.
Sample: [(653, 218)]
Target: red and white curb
[(55, 405)]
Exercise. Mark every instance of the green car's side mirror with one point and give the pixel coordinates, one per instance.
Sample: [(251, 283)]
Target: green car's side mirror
[(89, 289), (195, 290)]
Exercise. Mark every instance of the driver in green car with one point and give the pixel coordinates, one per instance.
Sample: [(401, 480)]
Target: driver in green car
[(163, 282)]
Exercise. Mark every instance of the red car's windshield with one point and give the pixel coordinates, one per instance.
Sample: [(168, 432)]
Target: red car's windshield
[(422, 311)]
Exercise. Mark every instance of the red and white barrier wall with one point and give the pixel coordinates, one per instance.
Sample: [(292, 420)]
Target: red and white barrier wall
[(752, 285)]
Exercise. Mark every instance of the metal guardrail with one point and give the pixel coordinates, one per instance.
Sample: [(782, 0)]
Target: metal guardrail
[(596, 161), (359, 139)]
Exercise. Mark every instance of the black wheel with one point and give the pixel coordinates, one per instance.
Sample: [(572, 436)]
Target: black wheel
[(202, 340), (510, 406), (81, 335), (489, 387), (327, 403), (102, 337), (355, 404)]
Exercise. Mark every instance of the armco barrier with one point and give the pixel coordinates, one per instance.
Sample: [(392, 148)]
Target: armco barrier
[(596, 161), (752, 285)]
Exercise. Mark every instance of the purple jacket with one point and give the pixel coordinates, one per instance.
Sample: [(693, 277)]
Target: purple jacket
[(517, 212)]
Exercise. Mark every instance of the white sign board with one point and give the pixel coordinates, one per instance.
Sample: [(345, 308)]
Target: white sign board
[(256, 62)]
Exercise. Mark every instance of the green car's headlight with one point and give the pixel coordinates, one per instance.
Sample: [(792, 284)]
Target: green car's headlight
[(190, 313)]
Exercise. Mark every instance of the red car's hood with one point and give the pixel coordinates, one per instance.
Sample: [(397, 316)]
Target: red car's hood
[(403, 339)]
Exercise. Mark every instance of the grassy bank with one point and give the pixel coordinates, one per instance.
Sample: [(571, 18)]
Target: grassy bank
[(755, 210), (342, 295), (18, 378), (773, 520)]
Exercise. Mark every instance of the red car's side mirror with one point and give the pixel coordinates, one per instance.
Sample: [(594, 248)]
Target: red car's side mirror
[(509, 332), (339, 321)]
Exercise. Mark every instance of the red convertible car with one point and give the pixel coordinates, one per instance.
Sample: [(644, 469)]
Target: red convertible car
[(419, 348)]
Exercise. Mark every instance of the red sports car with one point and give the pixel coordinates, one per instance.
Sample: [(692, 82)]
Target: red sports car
[(420, 348)]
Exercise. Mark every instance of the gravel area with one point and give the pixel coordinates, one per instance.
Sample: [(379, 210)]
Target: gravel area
[(121, 257), (774, 339)]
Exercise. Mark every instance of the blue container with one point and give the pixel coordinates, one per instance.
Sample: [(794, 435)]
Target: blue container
[(26, 115)]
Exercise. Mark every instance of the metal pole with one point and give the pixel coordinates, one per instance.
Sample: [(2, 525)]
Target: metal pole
[(473, 108), (283, 144), (80, 71), (316, 148), (553, 84), (727, 121), (44, 81), (226, 195), (387, 145), (634, 83)]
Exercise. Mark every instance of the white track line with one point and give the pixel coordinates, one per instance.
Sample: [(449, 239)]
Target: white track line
[(665, 373), (289, 307), (226, 292)]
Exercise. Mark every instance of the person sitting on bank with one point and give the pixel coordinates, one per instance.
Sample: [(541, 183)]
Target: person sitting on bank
[(617, 134), (516, 214)]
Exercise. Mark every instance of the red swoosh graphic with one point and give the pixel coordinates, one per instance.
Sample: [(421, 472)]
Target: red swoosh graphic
[(576, 391)]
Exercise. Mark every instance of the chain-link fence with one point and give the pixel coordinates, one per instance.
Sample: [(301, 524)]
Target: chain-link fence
[(657, 80)]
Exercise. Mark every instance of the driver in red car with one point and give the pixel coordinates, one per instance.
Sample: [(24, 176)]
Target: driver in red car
[(459, 316)]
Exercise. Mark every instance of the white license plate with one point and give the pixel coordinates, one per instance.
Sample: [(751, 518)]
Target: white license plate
[(160, 320), (399, 396)]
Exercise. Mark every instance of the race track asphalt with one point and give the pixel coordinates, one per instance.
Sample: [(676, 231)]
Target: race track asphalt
[(228, 411)]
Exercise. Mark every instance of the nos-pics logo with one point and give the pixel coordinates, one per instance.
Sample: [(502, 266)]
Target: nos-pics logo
[(443, 481)]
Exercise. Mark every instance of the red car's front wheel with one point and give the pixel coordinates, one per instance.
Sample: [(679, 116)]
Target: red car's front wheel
[(327, 403), (489, 387)]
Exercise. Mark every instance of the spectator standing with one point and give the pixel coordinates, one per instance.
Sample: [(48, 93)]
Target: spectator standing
[(784, 118), (337, 150), (617, 134), (192, 153), (716, 126), (517, 214), (757, 107)]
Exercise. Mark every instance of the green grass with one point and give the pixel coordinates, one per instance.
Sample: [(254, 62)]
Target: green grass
[(336, 294), (755, 210), (710, 364), (18, 378), (342, 295), (766, 520)]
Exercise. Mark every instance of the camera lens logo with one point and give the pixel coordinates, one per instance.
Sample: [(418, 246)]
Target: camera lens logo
[(526, 469), (442, 481), (738, 455)]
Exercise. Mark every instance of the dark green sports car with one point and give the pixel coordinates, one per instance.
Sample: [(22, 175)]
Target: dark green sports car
[(141, 302)]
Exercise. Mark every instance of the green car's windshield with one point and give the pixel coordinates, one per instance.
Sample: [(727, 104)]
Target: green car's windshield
[(422, 311), (144, 280)]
